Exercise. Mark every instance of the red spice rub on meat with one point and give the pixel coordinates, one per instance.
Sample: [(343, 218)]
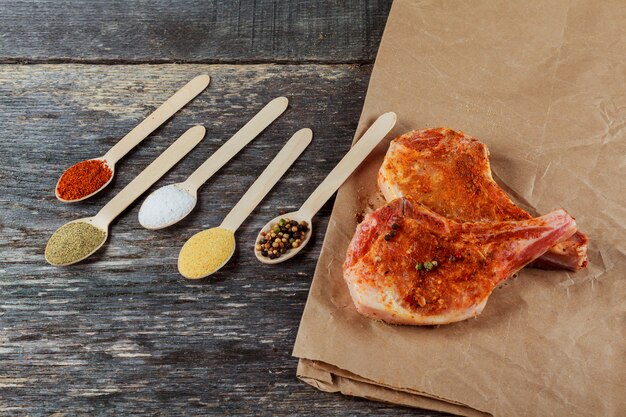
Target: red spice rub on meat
[(449, 172), (409, 265)]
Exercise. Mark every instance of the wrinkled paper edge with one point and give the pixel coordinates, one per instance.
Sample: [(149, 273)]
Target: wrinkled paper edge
[(329, 378)]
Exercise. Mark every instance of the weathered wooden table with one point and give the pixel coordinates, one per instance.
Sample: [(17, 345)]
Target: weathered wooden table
[(123, 333)]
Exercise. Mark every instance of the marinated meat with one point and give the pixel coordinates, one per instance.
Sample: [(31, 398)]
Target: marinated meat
[(449, 172), (409, 265)]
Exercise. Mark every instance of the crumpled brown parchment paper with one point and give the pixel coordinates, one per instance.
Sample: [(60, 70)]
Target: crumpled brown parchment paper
[(543, 84)]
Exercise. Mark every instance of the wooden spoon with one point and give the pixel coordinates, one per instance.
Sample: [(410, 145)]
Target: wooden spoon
[(135, 188), (143, 129), (205, 253), (381, 127), (225, 153)]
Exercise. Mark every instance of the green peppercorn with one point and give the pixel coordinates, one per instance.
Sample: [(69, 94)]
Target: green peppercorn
[(281, 222), (419, 266), (428, 265)]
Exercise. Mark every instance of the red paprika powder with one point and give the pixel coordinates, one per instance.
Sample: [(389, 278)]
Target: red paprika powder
[(82, 179)]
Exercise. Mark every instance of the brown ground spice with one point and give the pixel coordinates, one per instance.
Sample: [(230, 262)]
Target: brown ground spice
[(72, 242)]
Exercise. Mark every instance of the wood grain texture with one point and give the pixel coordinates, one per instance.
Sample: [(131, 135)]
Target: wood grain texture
[(123, 333), (214, 31)]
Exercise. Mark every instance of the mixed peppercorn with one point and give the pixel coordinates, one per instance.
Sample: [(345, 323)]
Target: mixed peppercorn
[(428, 266), (392, 232), (282, 236)]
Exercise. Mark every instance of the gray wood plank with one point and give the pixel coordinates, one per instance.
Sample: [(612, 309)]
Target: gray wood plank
[(197, 31), (123, 333)]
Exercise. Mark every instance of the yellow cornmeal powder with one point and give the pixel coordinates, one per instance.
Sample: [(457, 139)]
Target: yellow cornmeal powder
[(205, 252)]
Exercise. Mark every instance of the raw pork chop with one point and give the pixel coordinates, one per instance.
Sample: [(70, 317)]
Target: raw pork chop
[(408, 265), (449, 172)]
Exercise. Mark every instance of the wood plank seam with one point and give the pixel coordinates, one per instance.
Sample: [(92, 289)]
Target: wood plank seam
[(162, 61)]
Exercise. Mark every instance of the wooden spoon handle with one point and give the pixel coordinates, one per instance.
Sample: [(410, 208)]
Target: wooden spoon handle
[(268, 178), (348, 164), (236, 143), (157, 118), (151, 174)]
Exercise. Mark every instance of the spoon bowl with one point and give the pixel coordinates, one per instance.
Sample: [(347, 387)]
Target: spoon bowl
[(196, 254), (163, 201), (291, 252), (93, 221), (110, 165)]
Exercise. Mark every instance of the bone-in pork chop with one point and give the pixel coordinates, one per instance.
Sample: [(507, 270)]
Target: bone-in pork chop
[(449, 172), (408, 265)]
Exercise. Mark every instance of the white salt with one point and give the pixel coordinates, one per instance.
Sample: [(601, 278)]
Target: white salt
[(165, 206)]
